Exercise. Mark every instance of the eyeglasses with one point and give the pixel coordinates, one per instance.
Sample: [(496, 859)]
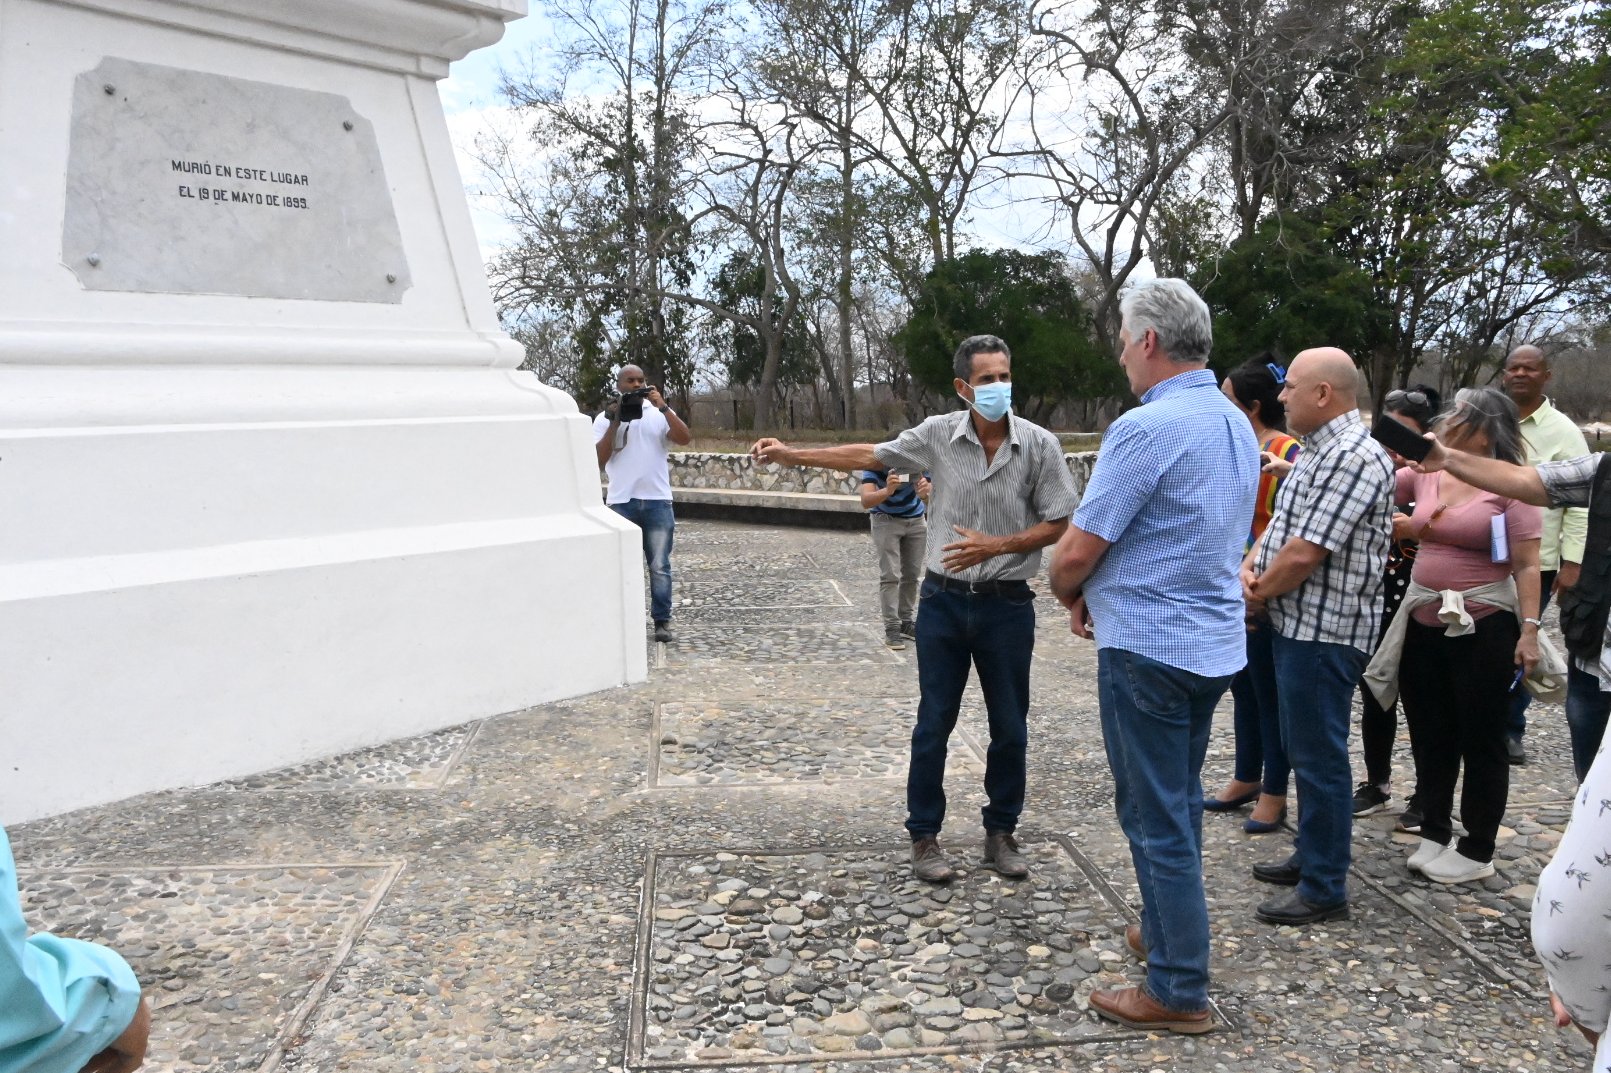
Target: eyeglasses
[(1279, 373), (1417, 398)]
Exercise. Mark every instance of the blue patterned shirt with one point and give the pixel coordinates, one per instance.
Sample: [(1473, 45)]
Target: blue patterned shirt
[(1173, 492)]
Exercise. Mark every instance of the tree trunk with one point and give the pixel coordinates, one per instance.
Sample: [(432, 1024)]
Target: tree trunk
[(847, 359)]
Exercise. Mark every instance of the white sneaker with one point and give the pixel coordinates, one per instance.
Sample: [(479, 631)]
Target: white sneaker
[(1454, 867), (1425, 853)]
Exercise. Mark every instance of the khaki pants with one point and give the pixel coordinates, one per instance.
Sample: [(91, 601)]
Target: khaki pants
[(900, 543)]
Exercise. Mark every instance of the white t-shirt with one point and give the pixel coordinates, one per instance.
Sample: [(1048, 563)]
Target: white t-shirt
[(637, 469)]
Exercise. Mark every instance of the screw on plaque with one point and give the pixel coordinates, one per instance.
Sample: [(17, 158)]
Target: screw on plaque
[(346, 124), (109, 89), (390, 278), (94, 260)]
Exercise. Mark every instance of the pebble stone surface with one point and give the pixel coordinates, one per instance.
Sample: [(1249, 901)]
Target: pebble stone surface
[(707, 871)]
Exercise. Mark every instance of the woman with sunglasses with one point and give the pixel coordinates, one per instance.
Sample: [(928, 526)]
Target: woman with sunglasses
[(1469, 629), (1261, 770)]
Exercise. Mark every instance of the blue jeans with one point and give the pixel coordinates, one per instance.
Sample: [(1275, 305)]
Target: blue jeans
[(1155, 724), (1520, 699), (996, 634), (1586, 712), (1316, 681), (1259, 755), (654, 517)]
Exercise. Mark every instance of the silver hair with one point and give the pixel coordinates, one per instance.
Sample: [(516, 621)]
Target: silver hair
[(962, 361), (1174, 311), (1493, 413)]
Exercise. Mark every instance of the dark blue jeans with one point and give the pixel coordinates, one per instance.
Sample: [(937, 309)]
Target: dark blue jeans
[(1155, 724), (1586, 711), (1259, 755), (996, 634), (1520, 699), (1316, 680), (655, 518)]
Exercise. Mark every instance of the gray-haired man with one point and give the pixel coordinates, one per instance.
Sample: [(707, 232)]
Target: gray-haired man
[(1001, 494)]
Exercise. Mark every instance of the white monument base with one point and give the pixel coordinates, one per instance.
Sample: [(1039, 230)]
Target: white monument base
[(247, 527)]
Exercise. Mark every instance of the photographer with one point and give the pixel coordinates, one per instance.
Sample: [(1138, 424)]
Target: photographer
[(631, 438)]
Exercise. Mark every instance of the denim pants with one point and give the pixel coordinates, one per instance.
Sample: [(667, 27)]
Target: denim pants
[(1155, 724), (1586, 711), (1257, 718), (900, 563), (1517, 724), (1316, 680), (654, 517), (996, 634)]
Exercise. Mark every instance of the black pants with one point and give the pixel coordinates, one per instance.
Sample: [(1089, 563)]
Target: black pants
[(1378, 726), (1457, 704)]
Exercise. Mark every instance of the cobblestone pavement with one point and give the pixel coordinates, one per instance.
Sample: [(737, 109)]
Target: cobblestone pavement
[(707, 872)]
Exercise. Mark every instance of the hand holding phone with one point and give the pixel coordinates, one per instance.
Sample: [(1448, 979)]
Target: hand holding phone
[(1400, 438)]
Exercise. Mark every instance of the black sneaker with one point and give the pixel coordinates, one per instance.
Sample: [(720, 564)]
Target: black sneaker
[(1515, 752), (909, 628), (662, 632), (1409, 820), (893, 639), (1369, 798)]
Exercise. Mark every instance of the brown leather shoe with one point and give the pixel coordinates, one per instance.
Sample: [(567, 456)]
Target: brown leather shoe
[(928, 861), (1001, 853), (1134, 1008), (1132, 939)]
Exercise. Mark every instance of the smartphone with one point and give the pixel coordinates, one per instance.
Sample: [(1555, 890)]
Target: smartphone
[(1400, 438)]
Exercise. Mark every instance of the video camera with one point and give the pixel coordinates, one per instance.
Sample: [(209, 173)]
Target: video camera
[(629, 404)]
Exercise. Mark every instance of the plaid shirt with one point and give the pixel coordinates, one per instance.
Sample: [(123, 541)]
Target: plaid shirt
[(1340, 496), (1568, 481), (1568, 484)]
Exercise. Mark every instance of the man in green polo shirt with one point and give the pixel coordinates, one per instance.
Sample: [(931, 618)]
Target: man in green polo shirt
[(1551, 436)]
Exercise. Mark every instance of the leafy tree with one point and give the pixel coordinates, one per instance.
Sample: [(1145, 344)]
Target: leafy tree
[(1283, 288), (741, 285), (1031, 303)]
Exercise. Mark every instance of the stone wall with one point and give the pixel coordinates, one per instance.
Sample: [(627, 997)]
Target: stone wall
[(705, 469)]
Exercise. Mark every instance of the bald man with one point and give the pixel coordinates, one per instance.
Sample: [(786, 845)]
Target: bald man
[(1315, 578), (1550, 436), (631, 438)]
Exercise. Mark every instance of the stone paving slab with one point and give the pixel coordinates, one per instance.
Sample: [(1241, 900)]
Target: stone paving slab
[(723, 563), (838, 952), (837, 645), (793, 742), (233, 958), (758, 592), (410, 764), (513, 935)]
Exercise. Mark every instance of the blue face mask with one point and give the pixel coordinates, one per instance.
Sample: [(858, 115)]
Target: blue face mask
[(992, 401)]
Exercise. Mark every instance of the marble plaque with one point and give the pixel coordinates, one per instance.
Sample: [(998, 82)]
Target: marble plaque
[(184, 182)]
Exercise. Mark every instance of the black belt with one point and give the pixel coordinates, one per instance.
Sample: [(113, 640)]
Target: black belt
[(976, 588)]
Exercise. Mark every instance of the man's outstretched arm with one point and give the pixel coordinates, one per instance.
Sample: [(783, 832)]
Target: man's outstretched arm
[(847, 457), (1489, 474)]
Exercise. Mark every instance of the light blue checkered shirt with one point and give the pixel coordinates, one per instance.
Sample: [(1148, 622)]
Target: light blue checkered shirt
[(1173, 493)]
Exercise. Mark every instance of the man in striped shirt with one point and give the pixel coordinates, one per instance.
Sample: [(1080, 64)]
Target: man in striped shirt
[(1001, 493), (1316, 574)]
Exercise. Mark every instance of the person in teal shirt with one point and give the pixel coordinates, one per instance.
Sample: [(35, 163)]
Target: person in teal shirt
[(66, 1006)]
